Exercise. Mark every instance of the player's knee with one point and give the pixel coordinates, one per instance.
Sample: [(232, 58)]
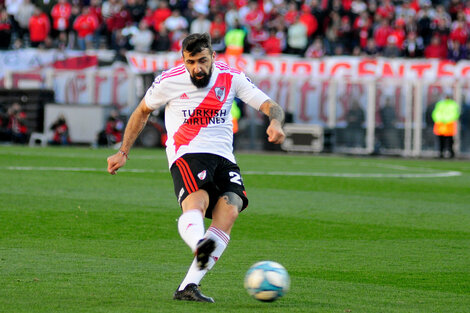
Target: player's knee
[(233, 199)]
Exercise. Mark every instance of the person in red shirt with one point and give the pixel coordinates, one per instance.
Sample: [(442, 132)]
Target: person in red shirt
[(272, 45), (435, 50), (39, 27), (218, 25), (255, 15), (459, 32), (60, 131), (309, 20), (398, 33), (160, 15), (386, 10), (61, 13), (85, 25), (291, 13), (381, 34)]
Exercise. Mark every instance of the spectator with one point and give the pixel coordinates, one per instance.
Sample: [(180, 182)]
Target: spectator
[(5, 30), (176, 24), (255, 16), (60, 131), (218, 41), (388, 117), (309, 20), (355, 117), (114, 128), (381, 34), (25, 11), (413, 46), (456, 51), (85, 25), (297, 38), (17, 129), (291, 14), (161, 14), (39, 27), (218, 25), (273, 44), (435, 50), (136, 9), (345, 34), (231, 16), (162, 41), (61, 13), (256, 38), (96, 10), (112, 133), (201, 24), (361, 28), (316, 49), (13, 8), (142, 38), (424, 22), (459, 32)]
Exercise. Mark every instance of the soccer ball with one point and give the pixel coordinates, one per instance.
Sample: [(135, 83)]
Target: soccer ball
[(267, 281)]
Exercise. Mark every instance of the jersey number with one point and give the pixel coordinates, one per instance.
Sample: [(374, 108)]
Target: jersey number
[(236, 178)]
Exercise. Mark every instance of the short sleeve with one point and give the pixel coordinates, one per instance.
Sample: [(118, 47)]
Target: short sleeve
[(155, 97), (248, 92)]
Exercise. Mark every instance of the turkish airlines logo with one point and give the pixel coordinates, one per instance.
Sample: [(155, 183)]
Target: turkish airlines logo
[(219, 93)]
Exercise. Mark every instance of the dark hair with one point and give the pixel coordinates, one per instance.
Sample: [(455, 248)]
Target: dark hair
[(196, 42)]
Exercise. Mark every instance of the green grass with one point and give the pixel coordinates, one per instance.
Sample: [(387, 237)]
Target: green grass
[(76, 239)]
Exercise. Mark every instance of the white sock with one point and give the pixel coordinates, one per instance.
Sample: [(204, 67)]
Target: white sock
[(221, 242), (191, 227), (195, 275)]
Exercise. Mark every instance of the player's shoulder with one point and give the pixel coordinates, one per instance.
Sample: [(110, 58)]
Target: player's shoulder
[(171, 74), (223, 67)]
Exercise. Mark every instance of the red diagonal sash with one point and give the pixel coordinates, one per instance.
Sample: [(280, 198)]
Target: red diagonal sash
[(214, 101)]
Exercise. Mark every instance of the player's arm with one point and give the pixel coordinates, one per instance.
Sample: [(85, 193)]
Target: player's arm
[(276, 119), (135, 125)]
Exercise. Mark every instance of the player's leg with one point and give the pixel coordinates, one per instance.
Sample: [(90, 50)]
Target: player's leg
[(211, 247), (194, 202), (224, 215), (191, 221)]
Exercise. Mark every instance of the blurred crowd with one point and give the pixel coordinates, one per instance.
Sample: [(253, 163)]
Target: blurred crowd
[(310, 28)]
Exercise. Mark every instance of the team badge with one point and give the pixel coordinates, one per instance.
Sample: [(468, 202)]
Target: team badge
[(220, 93), (202, 175)]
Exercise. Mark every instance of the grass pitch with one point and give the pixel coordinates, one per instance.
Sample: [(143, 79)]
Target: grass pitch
[(355, 234)]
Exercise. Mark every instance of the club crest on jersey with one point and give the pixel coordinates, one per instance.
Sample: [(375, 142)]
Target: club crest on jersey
[(202, 175), (220, 93)]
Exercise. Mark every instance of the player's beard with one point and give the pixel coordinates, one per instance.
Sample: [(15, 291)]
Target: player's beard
[(204, 79)]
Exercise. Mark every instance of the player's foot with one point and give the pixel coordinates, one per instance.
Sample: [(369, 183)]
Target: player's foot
[(191, 293), (203, 251)]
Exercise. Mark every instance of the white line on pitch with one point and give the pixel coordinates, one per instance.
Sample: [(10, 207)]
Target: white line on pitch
[(269, 173)]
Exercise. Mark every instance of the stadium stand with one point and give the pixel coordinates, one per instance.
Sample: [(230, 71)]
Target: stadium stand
[(311, 28)]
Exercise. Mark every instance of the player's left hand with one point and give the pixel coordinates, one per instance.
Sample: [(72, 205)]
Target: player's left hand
[(275, 133)]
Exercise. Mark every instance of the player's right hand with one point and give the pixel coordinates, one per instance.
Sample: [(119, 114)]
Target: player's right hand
[(115, 162)]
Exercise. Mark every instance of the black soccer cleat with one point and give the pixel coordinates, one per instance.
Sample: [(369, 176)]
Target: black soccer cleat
[(204, 249), (191, 293)]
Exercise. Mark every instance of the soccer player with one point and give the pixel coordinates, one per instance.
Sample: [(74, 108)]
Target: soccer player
[(198, 96)]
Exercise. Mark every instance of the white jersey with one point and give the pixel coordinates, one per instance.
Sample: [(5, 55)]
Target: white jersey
[(198, 120)]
